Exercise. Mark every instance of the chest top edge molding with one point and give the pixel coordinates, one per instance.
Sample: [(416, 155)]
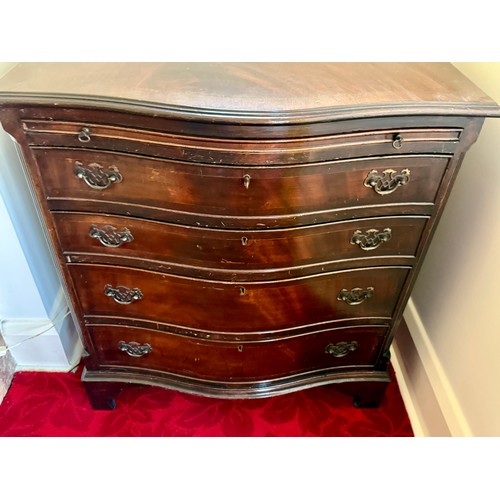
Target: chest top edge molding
[(259, 93)]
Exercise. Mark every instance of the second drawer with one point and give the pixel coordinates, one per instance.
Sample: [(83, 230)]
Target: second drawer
[(197, 251)]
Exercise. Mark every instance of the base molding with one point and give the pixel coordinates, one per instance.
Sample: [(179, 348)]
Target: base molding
[(366, 387), (431, 403)]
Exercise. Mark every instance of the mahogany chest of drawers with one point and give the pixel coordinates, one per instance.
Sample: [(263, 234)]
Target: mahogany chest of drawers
[(240, 230)]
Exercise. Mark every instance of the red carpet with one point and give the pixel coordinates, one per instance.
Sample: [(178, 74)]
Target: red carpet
[(55, 404)]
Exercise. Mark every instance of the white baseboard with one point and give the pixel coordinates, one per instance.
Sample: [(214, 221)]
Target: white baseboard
[(407, 394), (31, 352), (44, 344), (425, 416), (7, 370)]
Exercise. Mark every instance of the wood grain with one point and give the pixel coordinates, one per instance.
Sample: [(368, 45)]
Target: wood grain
[(237, 151), (218, 254), (254, 87), (235, 361), (237, 307), (187, 192)]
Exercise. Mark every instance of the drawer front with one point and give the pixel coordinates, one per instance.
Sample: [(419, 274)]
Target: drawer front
[(236, 307), (183, 191), (119, 346), (242, 151), (313, 247)]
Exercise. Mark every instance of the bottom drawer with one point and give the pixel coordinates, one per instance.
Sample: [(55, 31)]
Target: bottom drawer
[(122, 346)]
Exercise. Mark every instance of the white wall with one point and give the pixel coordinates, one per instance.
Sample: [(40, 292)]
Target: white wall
[(19, 296), (31, 297), (454, 311)]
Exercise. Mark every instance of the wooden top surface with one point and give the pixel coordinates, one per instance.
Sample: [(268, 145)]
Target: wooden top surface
[(254, 89)]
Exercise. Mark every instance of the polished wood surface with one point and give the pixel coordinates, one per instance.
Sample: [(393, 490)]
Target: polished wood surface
[(142, 121), (255, 87), (237, 254), (187, 192), (243, 151), (235, 307), (257, 361), (242, 186)]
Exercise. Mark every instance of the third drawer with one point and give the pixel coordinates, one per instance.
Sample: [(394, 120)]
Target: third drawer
[(219, 306)]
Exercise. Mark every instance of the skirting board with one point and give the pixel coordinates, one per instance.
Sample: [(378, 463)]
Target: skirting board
[(44, 344), (430, 401), (7, 370), (406, 392), (45, 352)]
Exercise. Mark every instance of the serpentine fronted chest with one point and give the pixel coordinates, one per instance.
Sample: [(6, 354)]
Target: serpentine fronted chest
[(240, 230)]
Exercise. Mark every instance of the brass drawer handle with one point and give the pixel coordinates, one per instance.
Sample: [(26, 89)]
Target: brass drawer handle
[(95, 176), (246, 181), (109, 236), (371, 239), (84, 135), (135, 349), (122, 294), (356, 295), (388, 182), (397, 143), (341, 349)]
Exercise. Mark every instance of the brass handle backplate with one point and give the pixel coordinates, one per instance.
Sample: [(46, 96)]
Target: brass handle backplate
[(109, 236), (135, 349), (356, 295), (122, 294), (341, 349), (371, 239), (95, 176), (388, 182)]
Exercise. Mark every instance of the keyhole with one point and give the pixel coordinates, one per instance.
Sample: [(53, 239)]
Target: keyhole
[(242, 290), (240, 348), (246, 181), (244, 241)]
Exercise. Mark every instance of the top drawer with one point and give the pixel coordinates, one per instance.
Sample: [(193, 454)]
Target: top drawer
[(239, 151), (224, 196)]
